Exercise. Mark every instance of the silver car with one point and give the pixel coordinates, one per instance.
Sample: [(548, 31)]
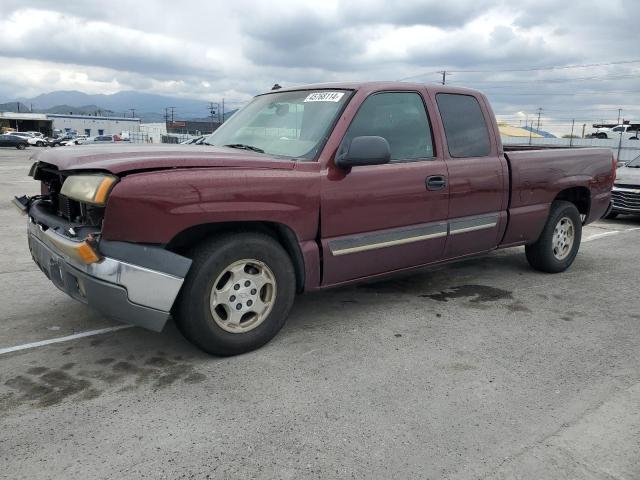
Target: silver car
[(97, 139), (626, 189)]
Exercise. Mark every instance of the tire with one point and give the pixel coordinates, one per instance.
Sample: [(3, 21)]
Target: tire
[(21, 146), (602, 136), (210, 282), (548, 253), (39, 144), (612, 215)]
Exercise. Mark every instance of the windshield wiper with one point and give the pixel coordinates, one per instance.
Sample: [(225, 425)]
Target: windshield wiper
[(243, 146)]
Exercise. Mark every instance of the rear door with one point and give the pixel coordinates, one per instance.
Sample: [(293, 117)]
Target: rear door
[(478, 174), (380, 218)]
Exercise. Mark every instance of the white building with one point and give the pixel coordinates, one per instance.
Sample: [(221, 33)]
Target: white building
[(91, 126), (51, 124)]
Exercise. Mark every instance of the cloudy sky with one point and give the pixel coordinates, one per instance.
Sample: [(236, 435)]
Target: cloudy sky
[(214, 49)]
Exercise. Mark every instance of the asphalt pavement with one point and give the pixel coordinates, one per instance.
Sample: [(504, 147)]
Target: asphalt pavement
[(484, 369)]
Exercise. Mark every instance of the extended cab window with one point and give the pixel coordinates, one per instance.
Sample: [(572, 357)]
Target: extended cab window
[(400, 118), (464, 125)]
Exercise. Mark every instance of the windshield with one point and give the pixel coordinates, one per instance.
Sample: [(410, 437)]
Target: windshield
[(634, 163), (290, 124)]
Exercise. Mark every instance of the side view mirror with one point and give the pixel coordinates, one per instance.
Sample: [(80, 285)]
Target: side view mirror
[(365, 150)]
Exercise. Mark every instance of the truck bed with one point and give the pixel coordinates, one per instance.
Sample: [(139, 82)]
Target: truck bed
[(537, 175)]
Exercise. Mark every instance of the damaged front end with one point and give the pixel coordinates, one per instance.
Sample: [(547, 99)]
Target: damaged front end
[(133, 283)]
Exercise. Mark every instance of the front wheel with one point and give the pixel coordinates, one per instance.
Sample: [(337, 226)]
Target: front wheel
[(20, 146), (559, 242), (238, 293)]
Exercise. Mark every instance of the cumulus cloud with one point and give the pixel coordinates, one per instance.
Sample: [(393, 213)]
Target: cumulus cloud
[(207, 50)]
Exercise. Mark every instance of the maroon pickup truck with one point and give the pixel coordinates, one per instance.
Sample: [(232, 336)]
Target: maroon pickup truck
[(303, 189)]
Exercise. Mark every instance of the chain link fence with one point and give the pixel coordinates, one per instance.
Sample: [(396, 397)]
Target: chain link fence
[(623, 149)]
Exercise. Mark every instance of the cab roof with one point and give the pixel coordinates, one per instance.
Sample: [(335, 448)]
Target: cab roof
[(377, 85)]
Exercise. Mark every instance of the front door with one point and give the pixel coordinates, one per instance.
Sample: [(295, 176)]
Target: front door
[(381, 218)]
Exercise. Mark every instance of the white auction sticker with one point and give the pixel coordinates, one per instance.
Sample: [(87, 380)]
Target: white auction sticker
[(324, 97)]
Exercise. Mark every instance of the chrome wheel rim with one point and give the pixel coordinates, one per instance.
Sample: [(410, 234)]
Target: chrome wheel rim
[(564, 235), (243, 296)]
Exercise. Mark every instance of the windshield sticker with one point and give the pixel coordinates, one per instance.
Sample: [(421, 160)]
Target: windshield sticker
[(324, 97)]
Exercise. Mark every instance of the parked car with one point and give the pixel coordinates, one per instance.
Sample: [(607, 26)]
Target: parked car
[(35, 134), (303, 189), (54, 142), (74, 140), (628, 132), (97, 139), (15, 141), (31, 139), (193, 140), (626, 189)]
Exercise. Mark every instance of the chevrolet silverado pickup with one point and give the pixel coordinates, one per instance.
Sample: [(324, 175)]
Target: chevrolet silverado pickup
[(303, 189)]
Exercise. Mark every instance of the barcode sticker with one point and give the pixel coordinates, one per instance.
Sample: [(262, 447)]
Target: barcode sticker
[(324, 97)]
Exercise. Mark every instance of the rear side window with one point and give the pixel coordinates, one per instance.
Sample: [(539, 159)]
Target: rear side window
[(400, 118), (464, 125)]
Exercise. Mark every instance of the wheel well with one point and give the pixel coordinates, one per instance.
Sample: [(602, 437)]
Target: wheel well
[(185, 240), (579, 196)]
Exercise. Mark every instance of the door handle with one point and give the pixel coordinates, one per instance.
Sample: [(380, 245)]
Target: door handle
[(436, 182)]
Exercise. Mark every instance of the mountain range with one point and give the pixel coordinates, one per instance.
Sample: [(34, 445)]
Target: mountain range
[(149, 107)]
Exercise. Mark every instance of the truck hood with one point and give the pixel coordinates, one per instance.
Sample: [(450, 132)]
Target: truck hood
[(122, 158)]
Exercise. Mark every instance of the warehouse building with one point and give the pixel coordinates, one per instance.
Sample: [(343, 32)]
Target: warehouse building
[(52, 124), (26, 122), (93, 125)]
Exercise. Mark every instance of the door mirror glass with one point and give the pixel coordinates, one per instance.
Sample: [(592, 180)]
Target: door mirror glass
[(365, 150)]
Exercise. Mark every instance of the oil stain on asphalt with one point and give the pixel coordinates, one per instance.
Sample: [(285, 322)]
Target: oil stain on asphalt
[(477, 294), (42, 386)]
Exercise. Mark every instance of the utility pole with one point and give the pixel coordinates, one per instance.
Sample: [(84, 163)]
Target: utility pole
[(213, 111), (619, 112), (172, 109), (444, 77), (530, 132), (223, 110), (571, 136), (166, 115), (133, 112), (539, 113), (583, 127)]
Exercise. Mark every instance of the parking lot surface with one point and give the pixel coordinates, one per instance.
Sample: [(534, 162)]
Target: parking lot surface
[(481, 369)]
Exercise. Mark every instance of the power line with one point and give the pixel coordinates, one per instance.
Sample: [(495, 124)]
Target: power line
[(567, 94), (552, 80), (535, 69)]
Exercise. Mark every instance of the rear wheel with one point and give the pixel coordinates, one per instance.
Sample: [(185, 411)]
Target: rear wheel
[(559, 242), (39, 144), (602, 136), (237, 295), (20, 146)]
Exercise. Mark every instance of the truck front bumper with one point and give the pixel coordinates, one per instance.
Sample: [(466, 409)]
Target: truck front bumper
[(131, 293)]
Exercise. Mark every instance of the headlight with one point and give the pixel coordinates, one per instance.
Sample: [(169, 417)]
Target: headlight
[(92, 189)]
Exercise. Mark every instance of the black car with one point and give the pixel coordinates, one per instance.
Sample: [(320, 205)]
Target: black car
[(13, 141), (54, 142)]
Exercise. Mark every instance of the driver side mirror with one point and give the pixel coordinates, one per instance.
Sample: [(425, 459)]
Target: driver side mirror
[(365, 150)]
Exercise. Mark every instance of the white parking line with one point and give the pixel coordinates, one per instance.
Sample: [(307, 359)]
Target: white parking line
[(62, 339), (606, 234)]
